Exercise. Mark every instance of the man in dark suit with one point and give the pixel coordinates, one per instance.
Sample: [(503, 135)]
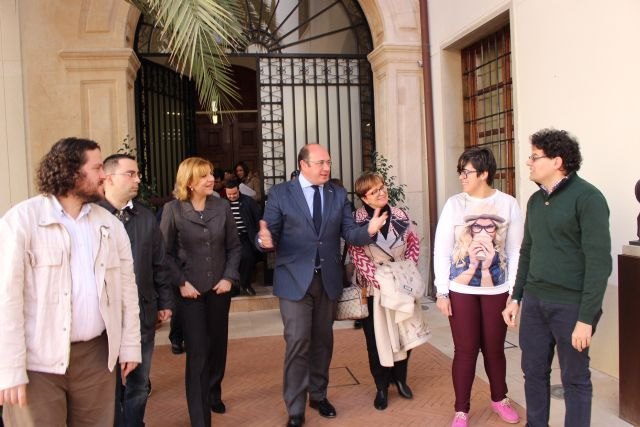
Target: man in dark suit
[(304, 220), (154, 276)]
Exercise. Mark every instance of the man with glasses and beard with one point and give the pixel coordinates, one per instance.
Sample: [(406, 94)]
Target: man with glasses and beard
[(68, 298), (154, 276)]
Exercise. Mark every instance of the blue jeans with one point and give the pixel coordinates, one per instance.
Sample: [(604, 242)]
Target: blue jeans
[(543, 326), (131, 400)]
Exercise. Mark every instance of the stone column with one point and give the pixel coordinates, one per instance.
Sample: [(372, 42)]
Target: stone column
[(105, 81), (14, 169), (400, 128)]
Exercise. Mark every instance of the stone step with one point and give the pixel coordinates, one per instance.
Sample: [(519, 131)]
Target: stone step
[(263, 300)]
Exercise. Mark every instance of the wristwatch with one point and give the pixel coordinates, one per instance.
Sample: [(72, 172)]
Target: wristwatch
[(441, 295), (260, 241)]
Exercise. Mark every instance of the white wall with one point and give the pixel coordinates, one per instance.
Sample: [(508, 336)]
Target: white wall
[(574, 65), (575, 68)]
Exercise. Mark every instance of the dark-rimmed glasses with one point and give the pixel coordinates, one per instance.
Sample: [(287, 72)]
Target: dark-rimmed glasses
[(533, 157), (477, 228), (465, 173)]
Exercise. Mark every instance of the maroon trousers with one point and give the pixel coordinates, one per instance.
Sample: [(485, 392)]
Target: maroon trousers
[(476, 325)]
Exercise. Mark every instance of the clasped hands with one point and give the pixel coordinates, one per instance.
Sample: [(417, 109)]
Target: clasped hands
[(189, 291)]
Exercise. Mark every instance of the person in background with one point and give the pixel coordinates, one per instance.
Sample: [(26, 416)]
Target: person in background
[(202, 239), (68, 297), (395, 238), (565, 263), (476, 253), (246, 214), (219, 183), (155, 278), (250, 179)]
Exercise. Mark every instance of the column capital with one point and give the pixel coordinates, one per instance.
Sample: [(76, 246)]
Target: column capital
[(406, 56), (95, 60)]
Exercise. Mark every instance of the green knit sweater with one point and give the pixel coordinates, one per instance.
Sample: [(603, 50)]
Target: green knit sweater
[(565, 255)]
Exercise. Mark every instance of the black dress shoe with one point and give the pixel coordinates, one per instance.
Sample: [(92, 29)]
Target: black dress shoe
[(404, 390), (218, 407), (249, 291), (295, 421), (324, 407), (380, 402), (177, 348)]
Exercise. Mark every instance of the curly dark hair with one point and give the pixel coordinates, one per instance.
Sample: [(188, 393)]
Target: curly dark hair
[(559, 143), (59, 168), (482, 160)]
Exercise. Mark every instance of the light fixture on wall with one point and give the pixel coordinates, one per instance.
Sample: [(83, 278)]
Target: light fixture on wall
[(214, 112)]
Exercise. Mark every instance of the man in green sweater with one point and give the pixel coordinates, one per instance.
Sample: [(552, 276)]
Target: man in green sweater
[(565, 261)]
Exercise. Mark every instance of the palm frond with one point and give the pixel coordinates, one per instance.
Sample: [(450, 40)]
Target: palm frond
[(199, 33)]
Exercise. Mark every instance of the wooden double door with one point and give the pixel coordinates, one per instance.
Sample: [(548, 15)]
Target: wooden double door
[(228, 142), (235, 137)]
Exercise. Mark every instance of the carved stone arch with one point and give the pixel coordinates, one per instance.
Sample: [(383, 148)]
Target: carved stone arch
[(392, 21)]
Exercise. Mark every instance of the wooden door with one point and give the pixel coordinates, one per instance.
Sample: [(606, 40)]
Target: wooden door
[(229, 142), (235, 137)]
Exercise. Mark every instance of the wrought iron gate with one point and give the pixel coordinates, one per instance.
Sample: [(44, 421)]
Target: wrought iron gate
[(324, 99), (166, 123)]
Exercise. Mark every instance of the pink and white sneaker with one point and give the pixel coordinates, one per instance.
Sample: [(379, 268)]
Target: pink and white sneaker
[(505, 411), (460, 419)]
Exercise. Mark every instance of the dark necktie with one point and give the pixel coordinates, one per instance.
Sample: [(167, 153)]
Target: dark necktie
[(317, 216), (123, 215), (317, 208)]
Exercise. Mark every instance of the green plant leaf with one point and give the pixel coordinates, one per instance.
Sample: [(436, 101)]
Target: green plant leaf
[(199, 33)]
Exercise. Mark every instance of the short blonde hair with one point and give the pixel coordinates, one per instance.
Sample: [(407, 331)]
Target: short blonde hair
[(366, 182), (190, 169)]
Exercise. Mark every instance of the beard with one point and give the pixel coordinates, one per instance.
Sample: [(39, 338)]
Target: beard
[(87, 191)]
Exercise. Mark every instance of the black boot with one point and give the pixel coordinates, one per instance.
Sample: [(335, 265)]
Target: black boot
[(404, 390), (380, 402)]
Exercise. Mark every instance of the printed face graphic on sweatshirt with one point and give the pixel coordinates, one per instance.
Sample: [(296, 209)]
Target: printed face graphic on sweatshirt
[(478, 255)]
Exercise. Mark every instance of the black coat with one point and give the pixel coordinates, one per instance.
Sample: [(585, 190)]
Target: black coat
[(155, 276), (204, 250), (250, 213)]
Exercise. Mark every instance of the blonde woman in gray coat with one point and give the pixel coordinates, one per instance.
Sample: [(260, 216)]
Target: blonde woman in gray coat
[(200, 235)]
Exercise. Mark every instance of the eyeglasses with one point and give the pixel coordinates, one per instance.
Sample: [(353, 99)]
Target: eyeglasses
[(477, 228), (130, 174), (533, 157), (320, 163), (376, 192), (465, 173)]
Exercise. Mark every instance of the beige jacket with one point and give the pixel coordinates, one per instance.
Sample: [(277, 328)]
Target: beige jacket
[(35, 290)]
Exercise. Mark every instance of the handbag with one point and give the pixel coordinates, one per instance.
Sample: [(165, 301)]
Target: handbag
[(352, 304), (403, 276)]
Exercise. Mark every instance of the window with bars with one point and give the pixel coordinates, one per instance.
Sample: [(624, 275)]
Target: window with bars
[(488, 104)]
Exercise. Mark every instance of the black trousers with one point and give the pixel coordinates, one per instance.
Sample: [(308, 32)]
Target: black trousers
[(382, 375), (247, 261), (205, 325), (175, 332)]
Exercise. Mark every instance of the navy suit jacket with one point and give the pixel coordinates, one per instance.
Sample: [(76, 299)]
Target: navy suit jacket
[(296, 240)]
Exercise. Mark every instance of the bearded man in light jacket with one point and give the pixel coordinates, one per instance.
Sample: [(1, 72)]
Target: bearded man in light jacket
[(68, 298)]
